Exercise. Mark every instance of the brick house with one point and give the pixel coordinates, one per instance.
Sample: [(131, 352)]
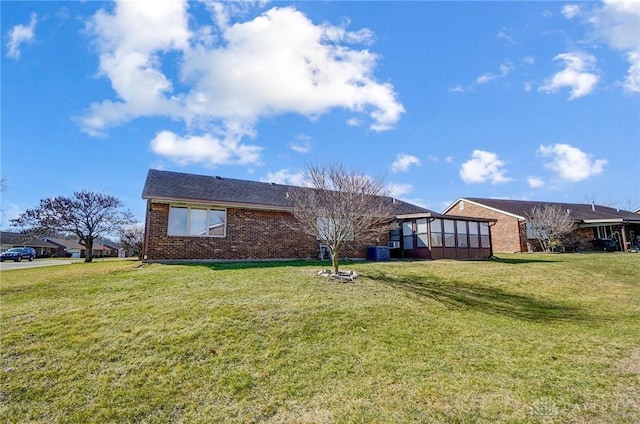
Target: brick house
[(196, 217), (510, 234), (71, 247), (43, 248)]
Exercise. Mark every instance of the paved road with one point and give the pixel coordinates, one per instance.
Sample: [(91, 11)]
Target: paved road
[(7, 265)]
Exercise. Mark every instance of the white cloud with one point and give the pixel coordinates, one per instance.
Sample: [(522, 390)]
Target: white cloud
[(302, 144), (284, 176), (505, 69), (234, 74), (483, 166), (502, 35), (570, 163), (535, 182), (578, 74), (617, 22), (205, 149), (403, 162), (632, 81), (399, 190), (529, 60), (8, 212), (570, 11), (130, 58), (457, 89), (19, 35)]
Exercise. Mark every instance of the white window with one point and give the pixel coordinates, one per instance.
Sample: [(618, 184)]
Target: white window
[(329, 229), (485, 240), (407, 235), (461, 229), (421, 233), (449, 233), (197, 222), (436, 233), (534, 231), (474, 241)]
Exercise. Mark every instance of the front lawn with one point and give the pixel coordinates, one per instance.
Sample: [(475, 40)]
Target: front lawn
[(522, 339)]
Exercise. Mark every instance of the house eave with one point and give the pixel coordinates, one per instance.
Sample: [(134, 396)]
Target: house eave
[(521, 218), (610, 221), (415, 215), (210, 202), (442, 216)]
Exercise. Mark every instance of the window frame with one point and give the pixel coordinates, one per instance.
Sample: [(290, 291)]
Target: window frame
[(422, 233), (485, 235), (436, 233), (208, 210), (474, 234), (326, 229), (449, 233)]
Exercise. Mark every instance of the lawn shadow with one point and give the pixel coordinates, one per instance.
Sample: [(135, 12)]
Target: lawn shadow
[(492, 300), (522, 260), (234, 265)]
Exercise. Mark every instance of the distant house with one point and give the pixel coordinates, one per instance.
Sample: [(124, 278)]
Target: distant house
[(10, 239), (112, 249), (72, 248), (511, 234), (197, 217)]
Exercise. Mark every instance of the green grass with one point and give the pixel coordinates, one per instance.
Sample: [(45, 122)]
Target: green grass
[(521, 339)]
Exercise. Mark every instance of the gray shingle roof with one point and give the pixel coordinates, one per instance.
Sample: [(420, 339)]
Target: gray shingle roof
[(20, 239), (579, 211), (177, 186)]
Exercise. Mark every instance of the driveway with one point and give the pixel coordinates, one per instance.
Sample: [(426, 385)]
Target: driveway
[(8, 265)]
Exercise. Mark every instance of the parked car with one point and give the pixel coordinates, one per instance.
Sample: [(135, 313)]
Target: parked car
[(606, 244), (18, 253)]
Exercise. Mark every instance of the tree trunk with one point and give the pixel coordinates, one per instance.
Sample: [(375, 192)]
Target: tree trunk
[(88, 244), (334, 260)]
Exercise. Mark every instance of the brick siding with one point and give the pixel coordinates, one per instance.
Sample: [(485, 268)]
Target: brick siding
[(507, 235), (250, 234)]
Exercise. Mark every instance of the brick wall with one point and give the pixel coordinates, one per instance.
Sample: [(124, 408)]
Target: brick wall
[(507, 235), (251, 234)]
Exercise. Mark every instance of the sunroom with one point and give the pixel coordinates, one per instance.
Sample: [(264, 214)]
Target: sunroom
[(436, 236)]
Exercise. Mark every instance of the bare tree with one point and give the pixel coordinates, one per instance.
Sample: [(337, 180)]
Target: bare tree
[(86, 215), (549, 224), (339, 206), (132, 239)]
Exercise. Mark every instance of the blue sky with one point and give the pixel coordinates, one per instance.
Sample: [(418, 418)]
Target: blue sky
[(523, 100)]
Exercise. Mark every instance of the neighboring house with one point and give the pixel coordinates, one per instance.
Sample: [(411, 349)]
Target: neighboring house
[(72, 248), (10, 239), (510, 230), (112, 249), (196, 217)]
